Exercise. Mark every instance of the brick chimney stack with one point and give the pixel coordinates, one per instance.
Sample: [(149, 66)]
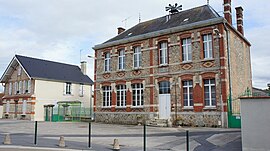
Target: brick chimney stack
[(239, 19), (120, 30), (228, 11)]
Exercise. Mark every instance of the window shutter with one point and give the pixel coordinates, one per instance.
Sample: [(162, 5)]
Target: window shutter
[(64, 88)]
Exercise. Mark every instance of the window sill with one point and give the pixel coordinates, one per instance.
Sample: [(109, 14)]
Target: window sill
[(137, 68), (186, 62), (210, 108), (68, 94), (106, 107), (163, 65), (136, 107), (208, 59), (121, 70), (188, 108), (120, 107), (106, 72)]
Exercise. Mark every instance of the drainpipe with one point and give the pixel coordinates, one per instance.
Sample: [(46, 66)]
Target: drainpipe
[(229, 105)]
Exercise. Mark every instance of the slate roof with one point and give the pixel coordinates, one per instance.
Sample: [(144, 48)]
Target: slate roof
[(193, 15), (44, 69)]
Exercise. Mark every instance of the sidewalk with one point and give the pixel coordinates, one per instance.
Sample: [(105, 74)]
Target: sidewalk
[(130, 137)]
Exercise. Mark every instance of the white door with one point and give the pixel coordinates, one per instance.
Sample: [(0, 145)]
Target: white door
[(164, 106)]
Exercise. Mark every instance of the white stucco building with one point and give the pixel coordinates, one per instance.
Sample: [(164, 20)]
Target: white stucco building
[(35, 87)]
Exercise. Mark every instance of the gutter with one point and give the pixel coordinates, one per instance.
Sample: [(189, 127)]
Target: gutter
[(161, 32)]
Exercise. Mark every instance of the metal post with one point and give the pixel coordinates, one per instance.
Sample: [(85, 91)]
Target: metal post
[(89, 135), (175, 104), (144, 137), (187, 136), (35, 140)]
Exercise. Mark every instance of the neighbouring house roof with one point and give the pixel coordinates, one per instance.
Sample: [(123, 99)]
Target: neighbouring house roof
[(259, 92), (47, 70), (182, 19)]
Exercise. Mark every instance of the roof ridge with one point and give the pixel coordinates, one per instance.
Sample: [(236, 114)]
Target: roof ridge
[(45, 60)]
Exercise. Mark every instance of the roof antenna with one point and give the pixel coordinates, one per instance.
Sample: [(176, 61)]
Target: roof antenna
[(139, 17), (125, 20), (173, 8), (207, 2)]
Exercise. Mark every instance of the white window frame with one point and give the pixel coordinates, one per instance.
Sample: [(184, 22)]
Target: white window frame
[(188, 85), (121, 59), (163, 53), (29, 86), (107, 96), (107, 62), (81, 93), (7, 106), (24, 107), (10, 89), (207, 46), (187, 49), (121, 96), (20, 87), (15, 87), (137, 57), (68, 90), (207, 83), (137, 92)]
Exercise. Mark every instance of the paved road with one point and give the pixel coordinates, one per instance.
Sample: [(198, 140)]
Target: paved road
[(130, 137)]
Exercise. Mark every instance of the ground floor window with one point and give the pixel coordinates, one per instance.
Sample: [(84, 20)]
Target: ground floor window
[(107, 96), (209, 92), (188, 93), (7, 106), (137, 94), (121, 95), (24, 107)]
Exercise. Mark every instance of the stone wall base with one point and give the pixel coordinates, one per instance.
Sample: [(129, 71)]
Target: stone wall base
[(199, 119)]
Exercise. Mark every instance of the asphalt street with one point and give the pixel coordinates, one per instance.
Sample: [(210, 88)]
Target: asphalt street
[(102, 135)]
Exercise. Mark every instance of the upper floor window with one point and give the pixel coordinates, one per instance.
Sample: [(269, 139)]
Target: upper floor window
[(164, 87), (137, 57), (27, 85), (20, 91), (15, 87), (10, 88), (107, 62), (163, 53), (187, 50), (81, 90), (121, 95), (121, 59), (209, 92), (68, 88), (107, 96), (137, 94), (207, 46), (188, 93)]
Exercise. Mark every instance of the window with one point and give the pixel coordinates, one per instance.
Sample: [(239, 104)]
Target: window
[(19, 70), (68, 88), (137, 57), (10, 89), (7, 106), (107, 62), (121, 95), (188, 93), (24, 107), (187, 50), (163, 53), (137, 94), (164, 87), (207, 46), (15, 87), (107, 96), (81, 90), (209, 92), (121, 59), (20, 87), (28, 90)]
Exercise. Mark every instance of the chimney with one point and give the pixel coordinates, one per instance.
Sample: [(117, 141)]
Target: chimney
[(83, 67), (228, 11), (239, 19), (120, 30)]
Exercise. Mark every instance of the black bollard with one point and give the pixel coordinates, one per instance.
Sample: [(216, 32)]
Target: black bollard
[(187, 136), (35, 139), (89, 135), (144, 137)]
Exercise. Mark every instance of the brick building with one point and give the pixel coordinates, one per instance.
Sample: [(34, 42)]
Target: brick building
[(186, 63)]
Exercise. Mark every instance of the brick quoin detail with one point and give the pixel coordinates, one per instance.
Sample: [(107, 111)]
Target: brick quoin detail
[(208, 75), (163, 79), (121, 82), (136, 81), (186, 77)]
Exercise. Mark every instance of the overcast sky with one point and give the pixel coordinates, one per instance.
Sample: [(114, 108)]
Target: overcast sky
[(59, 30)]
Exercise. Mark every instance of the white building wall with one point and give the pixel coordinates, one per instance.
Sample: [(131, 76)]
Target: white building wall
[(51, 92), (255, 119)]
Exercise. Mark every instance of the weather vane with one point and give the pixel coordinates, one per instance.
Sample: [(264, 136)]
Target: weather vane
[(173, 8)]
